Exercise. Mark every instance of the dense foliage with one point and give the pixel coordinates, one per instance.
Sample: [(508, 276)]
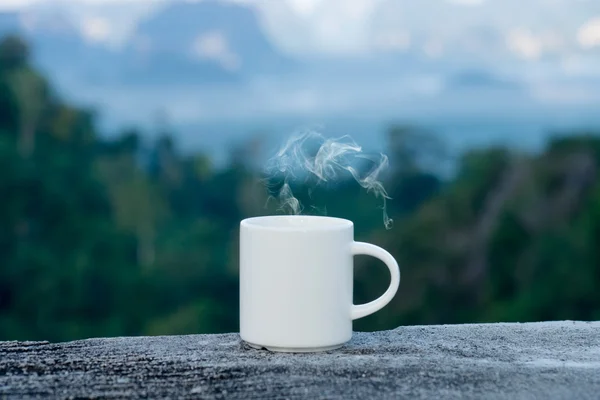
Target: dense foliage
[(106, 237)]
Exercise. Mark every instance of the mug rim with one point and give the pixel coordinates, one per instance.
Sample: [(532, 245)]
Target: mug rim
[(316, 223)]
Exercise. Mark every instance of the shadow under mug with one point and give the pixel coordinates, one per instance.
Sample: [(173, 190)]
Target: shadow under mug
[(296, 282)]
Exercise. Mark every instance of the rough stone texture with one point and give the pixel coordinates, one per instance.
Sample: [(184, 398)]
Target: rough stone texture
[(557, 360)]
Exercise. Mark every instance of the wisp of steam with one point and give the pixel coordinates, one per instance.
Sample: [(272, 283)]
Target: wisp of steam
[(311, 158)]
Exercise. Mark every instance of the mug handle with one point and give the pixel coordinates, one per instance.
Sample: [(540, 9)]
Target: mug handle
[(362, 310)]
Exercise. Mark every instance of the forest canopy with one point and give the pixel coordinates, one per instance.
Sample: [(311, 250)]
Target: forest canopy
[(107, 237)]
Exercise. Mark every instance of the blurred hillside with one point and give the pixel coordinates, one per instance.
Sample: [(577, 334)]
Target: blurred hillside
[(107, 237)]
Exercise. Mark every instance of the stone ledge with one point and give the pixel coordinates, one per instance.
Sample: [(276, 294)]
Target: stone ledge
[(506, 361)]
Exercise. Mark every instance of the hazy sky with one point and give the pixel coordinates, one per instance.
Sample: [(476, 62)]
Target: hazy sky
[(546, 42), (528, 29)]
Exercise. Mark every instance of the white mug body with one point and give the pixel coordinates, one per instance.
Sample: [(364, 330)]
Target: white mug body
[(296, 283)]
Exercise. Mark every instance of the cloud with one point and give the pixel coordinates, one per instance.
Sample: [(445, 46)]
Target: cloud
[(335, 27), (304, 7), (529, 45), (19, 4), (467, 2), (524, 43), (392, 41), (96, 29), (15, 4), (215, 46), (588, 35), (434, 48), (481, 28)]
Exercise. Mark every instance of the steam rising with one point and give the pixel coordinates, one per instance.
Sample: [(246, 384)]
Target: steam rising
[(310, 158)]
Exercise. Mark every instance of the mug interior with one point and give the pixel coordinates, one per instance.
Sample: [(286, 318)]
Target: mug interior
[(297, 222)]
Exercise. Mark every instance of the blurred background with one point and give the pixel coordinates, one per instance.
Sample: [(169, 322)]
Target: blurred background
[(133, 136)]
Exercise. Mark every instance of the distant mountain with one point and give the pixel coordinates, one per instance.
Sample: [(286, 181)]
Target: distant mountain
[(9, 23), (473, 79), (58, 47), (223, 33), (202, 60), (180, 44), (159, 69)]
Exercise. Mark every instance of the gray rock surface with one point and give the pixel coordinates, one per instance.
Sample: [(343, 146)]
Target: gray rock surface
[(555, 360)]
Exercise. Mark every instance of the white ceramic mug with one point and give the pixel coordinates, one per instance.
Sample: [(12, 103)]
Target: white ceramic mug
[(296, 282)]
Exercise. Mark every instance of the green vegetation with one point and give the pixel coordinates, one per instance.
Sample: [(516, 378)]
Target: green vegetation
[(101, 237)]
